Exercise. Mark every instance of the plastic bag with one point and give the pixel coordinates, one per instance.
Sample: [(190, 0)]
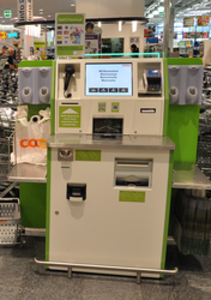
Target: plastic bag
[(30, 139)]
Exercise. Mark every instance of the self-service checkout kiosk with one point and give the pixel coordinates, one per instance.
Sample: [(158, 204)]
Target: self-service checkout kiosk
[(109, 167), (110, 160)]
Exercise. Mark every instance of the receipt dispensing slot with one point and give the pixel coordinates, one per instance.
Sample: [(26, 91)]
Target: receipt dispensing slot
[(133, 173), (76, 192)]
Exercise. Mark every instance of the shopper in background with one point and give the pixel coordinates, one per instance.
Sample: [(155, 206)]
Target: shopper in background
[(10, 51), (134, 49), (3, 50)]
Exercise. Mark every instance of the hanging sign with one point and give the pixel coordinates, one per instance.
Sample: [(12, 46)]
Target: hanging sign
[(25, 10), (203, 21), (69, 34), (8, 14), (188, 22), (196, 35), (93, 39)]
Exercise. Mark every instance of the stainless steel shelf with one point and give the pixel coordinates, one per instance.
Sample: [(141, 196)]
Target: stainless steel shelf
[(87, 141), (189, 176), (8, 105), (28, 173)]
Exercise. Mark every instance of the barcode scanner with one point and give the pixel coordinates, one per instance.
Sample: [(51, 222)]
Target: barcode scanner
[(69, 70)]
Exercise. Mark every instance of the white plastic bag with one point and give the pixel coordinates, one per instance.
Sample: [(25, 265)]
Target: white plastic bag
[(30, 139)]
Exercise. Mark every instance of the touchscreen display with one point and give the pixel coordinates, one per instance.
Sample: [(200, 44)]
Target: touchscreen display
[(114, 79)]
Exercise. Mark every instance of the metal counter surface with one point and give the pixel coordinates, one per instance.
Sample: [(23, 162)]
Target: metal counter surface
[(28, 173), (88, 141), (189, 176)]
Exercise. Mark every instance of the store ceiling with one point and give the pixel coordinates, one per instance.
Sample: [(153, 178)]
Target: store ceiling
[(182, 8), (50, 7)]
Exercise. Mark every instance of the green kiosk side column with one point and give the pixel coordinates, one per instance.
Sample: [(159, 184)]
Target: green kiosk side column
[(33, 195)]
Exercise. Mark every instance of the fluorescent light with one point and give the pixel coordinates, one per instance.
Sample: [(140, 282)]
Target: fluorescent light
[(161, 1), (155, 12), (120, 25), (41, 9), (99, 24), (72, 4), (49, 16), (41, 12), (161, 9), (134, 26)]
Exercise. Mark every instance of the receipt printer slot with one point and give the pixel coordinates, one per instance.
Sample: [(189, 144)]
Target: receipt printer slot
[(76, 192)]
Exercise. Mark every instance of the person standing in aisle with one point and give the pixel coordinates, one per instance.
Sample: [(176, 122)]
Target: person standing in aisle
[(10, 51), (134, 49)]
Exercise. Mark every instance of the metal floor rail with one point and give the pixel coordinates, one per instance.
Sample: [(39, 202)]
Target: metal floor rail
[(138, 271)]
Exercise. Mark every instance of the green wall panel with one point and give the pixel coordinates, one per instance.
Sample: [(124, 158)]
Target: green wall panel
[(183, 127), (33, 204)]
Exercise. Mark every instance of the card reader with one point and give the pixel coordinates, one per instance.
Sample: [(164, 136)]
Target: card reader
[(152, 80)]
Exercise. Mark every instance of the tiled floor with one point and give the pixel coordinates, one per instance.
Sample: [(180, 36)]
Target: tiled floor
[(21, 279)]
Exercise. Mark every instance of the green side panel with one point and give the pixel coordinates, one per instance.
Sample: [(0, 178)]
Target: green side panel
[(183, 122), (183, 126), (166, 95), (48, 204), (35, 63), (53, 72), (33, 204), (129, 196), (184, 61), (168, 204), (88, 155)]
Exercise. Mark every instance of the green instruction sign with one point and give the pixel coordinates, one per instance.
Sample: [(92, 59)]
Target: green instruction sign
[(70, 116), (115, 107), (102, 107), (69, 35), (88, 155), (129, 196)]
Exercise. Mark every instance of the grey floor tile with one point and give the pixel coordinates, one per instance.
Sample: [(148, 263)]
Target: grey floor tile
[(40, 284), (8, 292), (169, 288), (112, 288), (200, 284)]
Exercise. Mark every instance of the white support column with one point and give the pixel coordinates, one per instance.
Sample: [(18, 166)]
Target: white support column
[(166, 27), (28, 42), (171, 25)]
